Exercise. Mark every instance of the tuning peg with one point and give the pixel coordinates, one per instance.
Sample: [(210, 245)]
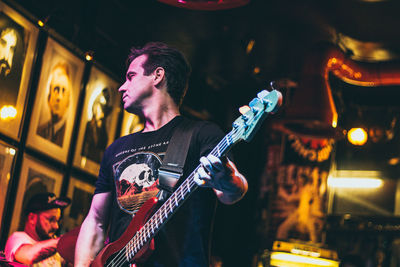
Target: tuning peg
[(244, 109), (262, 94)]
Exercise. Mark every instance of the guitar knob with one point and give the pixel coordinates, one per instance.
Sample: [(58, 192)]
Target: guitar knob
[(244, 109)]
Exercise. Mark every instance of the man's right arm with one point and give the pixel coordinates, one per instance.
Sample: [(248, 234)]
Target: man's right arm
[(92, 233), (32, 253)]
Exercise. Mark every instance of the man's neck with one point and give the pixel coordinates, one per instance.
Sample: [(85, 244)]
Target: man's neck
[(159, 112), (32, 233)]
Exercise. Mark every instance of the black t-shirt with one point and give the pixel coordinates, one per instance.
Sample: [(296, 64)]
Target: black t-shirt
[(129, 170)]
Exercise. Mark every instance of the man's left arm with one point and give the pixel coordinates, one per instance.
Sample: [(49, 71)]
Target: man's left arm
[(222, 175)]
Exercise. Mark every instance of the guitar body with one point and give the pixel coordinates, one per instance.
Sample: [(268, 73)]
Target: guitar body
[(106, 254)]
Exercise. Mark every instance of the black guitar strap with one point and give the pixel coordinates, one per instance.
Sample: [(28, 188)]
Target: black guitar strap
[(171, 169)]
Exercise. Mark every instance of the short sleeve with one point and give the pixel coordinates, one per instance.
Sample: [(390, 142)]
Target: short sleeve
[(14, 242), (104, 182), (208, 136)]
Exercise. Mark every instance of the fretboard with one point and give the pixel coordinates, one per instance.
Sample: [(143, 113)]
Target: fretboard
[(171, 205)]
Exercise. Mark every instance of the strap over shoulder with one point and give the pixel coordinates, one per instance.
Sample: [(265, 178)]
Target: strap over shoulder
[(173, 163)]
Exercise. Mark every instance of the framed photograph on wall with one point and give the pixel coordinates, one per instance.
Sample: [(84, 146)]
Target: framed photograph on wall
[(99, 121), (81, 194), (131, 123), (18, 39), (56, 100), (7, 156), (36, 177)]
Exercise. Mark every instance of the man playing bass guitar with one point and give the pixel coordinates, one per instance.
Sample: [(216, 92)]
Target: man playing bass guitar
[(156, 82)]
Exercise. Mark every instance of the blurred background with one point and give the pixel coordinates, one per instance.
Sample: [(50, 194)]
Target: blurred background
[(337, 65)]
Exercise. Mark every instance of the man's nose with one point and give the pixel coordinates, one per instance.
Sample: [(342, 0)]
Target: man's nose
[(55, 225), (122, 88)]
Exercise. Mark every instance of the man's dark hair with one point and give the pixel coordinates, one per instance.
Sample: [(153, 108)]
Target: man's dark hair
[(177, 69)]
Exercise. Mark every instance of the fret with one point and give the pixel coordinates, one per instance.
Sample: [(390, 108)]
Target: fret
[(143, 234), (152, 222), (160, 218), (166, 213), (126, 253)]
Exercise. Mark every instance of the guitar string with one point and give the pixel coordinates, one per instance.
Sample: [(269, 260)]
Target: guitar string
[(224, 143), (121, 253), (121, 257), (169, 200), (190, 180), (190, 183)]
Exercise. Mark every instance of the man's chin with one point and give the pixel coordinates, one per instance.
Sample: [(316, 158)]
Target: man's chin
[(46, 236), (51, 235), (57, 116)]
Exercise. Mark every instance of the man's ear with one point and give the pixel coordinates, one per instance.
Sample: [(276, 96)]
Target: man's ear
[(32, 217), (159, 76)]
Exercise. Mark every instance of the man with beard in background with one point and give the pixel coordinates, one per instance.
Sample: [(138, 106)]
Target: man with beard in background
[(36, 245)]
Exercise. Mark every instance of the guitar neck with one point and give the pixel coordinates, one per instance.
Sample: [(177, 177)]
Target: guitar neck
[(243, 129), (177, 198)]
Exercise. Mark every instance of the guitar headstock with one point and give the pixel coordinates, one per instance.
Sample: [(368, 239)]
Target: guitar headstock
[(246, 125)]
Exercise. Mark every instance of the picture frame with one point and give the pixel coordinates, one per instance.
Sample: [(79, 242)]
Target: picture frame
[(36, 177), (19, 38), (7, 158), (98, 121), (81, 194), (131, 123), (56, 100)]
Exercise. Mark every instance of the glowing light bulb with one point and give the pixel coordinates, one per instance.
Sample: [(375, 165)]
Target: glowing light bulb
[(89, 55), (256, 70), (250, 46), (8, 112), (357, 136), (10, 151)]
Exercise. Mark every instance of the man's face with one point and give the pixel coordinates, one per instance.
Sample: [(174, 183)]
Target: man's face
[(59, 93), (47, 223), (8, 40), (137, 87)]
